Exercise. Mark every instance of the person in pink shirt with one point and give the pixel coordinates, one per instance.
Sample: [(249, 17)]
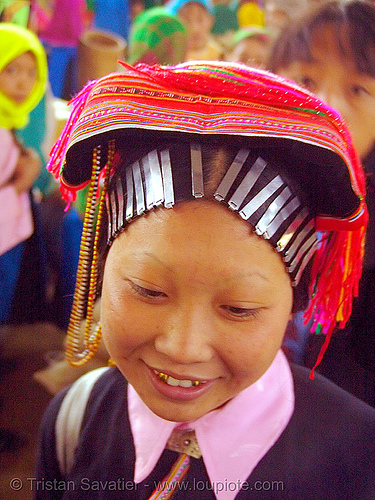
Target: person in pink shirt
[(23, 76), (60, 34)]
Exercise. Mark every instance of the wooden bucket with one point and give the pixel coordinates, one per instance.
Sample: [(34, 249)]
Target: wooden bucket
[(98, 53)]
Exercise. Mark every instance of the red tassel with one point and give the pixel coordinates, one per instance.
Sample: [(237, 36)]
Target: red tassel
[(335, 276), (322, 350)]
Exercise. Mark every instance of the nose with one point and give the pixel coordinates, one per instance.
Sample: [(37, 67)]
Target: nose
[(21, 82), (188, 337)]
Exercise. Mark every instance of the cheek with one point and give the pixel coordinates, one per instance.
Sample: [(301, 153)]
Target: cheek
[(31, 82), (251, 351), (4, 86), (126, 324), (363, 133), (113, 331), (118, 319), (121, 335)]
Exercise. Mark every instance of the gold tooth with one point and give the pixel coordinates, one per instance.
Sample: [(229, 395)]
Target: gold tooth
[(163, 376), (196, 383)]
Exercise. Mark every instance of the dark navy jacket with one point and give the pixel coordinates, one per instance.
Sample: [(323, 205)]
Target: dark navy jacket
[(327, 451)]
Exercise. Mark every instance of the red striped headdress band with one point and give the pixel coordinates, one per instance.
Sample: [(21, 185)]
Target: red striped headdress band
[(289, 130)]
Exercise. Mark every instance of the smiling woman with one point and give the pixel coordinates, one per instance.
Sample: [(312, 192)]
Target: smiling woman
[(176, 301), (215, 180)]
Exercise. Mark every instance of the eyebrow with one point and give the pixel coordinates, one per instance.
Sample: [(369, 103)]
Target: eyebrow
[(136, 255), (248, 274)]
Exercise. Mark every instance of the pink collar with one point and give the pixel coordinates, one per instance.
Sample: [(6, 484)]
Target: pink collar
[(232, 440)]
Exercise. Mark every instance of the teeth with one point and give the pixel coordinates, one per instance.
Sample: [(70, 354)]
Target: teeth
[(186, 383), (174, 382)]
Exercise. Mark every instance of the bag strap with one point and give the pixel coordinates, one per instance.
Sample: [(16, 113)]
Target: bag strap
[(69, 418)]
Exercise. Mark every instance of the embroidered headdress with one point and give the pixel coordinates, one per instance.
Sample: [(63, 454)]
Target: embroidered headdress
[(295, 176)]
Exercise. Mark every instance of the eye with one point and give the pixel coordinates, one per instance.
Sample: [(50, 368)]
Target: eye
[(307, 82), (358, 90), (147, 292), (10, 70), (240, 312)]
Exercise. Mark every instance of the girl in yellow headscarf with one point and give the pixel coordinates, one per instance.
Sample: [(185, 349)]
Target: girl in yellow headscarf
[(16, 41), (23, 77)]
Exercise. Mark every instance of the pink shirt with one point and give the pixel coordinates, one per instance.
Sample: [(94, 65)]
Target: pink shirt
[(16, 223), (66, 24), (232, 439)]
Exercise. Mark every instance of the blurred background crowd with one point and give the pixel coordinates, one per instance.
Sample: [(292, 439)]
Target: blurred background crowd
[(325, 45)]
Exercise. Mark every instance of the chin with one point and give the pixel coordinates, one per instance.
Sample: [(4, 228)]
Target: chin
[(177, 412)]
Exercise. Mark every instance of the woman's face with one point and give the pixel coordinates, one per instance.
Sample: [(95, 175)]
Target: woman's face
[(251, 51), (198, 22), (194, 307), (334, 79)]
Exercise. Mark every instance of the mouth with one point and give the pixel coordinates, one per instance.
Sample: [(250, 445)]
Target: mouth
[(19, 98), (178, 389), (175, 382)]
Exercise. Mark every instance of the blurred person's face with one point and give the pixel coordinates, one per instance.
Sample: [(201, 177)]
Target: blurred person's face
[(334, 78), (19, 77), (276, 18), (250, 51), (198, 22), (194, 307), (137, 7)]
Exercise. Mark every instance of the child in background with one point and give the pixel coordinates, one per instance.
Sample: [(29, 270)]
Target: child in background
[(197, 17), (279, 13), (136, 8), (251, 46), (23, 77), (157, 37), (331, 52), (40, 131)]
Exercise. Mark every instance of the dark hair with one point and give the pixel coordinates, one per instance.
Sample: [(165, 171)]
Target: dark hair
[(216, 160), (353, 23)]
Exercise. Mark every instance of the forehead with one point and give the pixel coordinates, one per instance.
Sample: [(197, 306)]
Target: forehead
[(254, 42), (336, 39), (203, 236), (342, 55), (25, 59), (193, 9)]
